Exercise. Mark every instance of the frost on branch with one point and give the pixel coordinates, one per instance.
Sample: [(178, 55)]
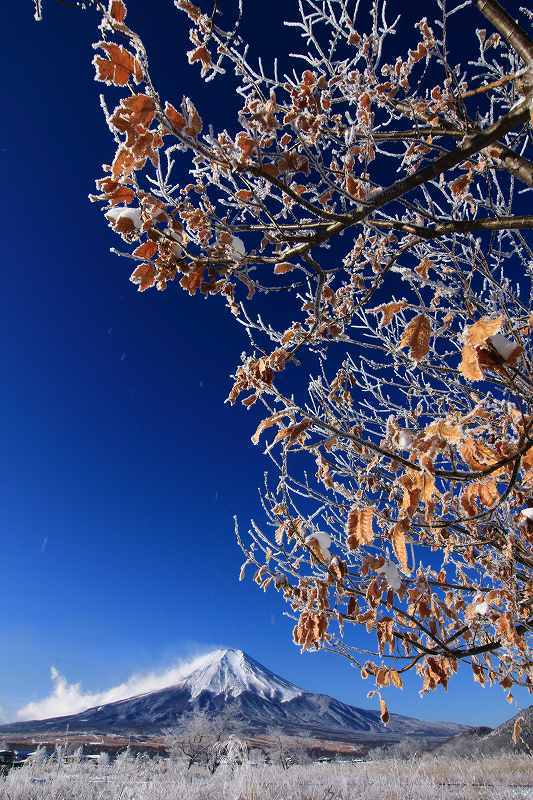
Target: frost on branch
[(363, 220)]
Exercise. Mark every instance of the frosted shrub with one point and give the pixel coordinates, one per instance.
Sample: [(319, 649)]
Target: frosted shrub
[(494, 778)]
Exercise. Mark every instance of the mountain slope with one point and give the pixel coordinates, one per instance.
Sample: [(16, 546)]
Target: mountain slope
[(248, 693), (484, 741)]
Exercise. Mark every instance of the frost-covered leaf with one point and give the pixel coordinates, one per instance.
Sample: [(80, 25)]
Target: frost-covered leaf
[(119, 67), (416, 337), (359, 527)]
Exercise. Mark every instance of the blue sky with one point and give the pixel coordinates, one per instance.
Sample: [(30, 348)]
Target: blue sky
[(122, 466)]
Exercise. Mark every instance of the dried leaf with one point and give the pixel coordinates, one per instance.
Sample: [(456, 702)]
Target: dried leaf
[(176, 118), (416, 337), (122, 194), (139, 109), (388, 311), (203, 56), (359, 527), (423, 268), (396, 679), (119, 66), (383, 711), (244, 195), (450, 432), (460, 186), (488, 492), (479, 332), (117, 10), (283, 267), (399, 546), (517, 729), (469, 365), (145, 250), (477, 455), (266, 423), (144, 277), (280, 532), (292, 432)]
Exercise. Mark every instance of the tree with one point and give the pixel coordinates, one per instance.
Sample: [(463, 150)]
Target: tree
[(280, 749), (286, 750), (207, 741), (190, 741), (194, 738), (374, 202), (407, 749)]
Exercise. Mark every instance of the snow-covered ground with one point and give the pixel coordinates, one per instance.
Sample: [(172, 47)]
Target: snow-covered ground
[(497, 778)]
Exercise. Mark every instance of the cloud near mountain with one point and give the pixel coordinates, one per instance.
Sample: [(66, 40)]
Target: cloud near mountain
[(70, 698), (223, 681)]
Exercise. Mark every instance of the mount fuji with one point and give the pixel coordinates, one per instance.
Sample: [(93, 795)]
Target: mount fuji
[(256, 699)]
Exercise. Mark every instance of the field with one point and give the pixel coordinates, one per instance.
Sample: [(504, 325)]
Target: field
[(142, 778)]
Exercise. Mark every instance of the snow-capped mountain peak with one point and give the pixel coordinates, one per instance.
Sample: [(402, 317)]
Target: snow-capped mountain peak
[(232, 682), (232, 672)]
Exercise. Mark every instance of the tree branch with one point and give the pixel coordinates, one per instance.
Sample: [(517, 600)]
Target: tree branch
[(508, 28), (459, 226)]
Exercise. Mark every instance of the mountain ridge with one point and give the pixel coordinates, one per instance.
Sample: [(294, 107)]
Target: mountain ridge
[(256, 699)]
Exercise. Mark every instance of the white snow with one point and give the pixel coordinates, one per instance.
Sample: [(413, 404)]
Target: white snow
[(324, 542), (405, 439), (392, 575), (232, 672), (505, 347), (238, 245), (123, 212), (177, 248)]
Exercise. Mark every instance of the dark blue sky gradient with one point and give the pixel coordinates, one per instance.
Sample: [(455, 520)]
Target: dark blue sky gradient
[(122, 466)]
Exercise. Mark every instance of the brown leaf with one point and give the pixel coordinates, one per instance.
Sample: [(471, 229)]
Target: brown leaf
[(267, 423), (145, 250), (202, 55), (139, 109), (396, 679), (469, 365), (280, 532), (283, 267), (449, 431), (488, 492), (293, 432), (122, 194), (359, 527), (193, 118), (479, 332), (117, 10), (517, 729), (176, 118), (388, 311), (124, 163), (382, 675), (426, 482), (477, 455), (119, 66), (399, 546), (244, 195), (416, 337), (460, 185), (192, 11), (423, 268), (245, 143), (192, 281), (144, 277), (383, 711)]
